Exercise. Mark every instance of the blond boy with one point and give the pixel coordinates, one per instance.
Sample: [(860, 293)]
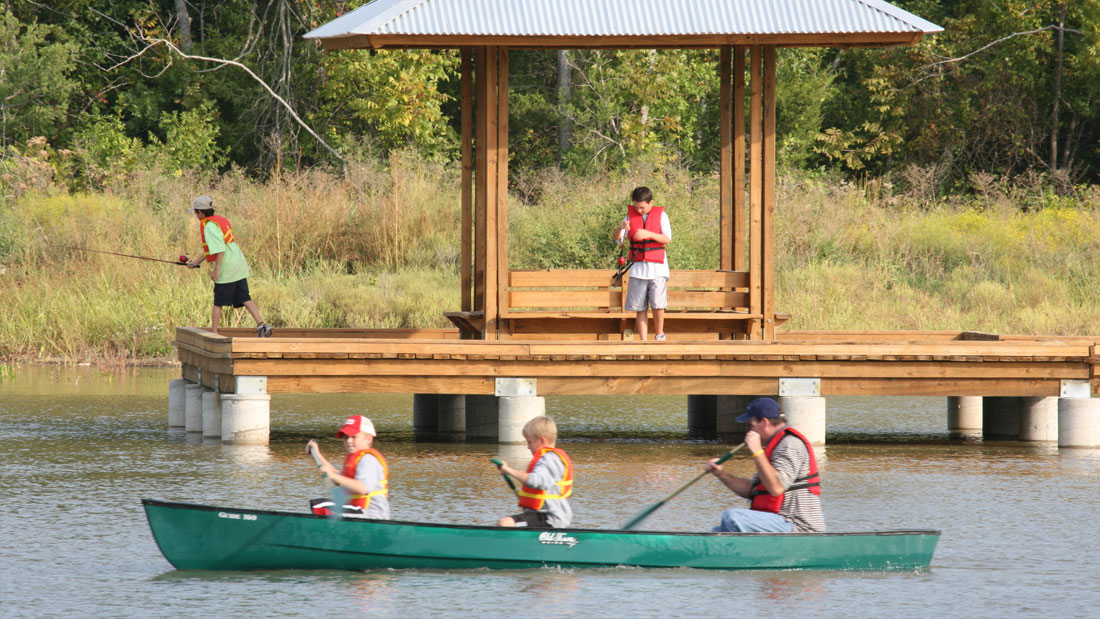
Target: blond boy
[(547, 482)]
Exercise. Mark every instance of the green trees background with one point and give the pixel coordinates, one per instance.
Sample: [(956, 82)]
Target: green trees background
[(88, 96)]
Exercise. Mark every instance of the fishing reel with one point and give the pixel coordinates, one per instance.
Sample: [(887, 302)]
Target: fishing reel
[(624, 267)]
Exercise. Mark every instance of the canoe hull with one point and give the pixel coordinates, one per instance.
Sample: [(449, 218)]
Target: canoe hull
[(214, 538)]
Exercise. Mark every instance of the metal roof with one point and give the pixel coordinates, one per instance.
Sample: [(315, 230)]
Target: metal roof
[(630, 23)]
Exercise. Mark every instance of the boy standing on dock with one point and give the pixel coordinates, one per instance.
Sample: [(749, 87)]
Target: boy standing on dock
[(230, 271), (785, 491), (547, 482), (365, 476), (649, 231)]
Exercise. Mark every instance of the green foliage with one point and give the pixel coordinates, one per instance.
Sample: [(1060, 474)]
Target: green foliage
[(35, 81), (394, 95), (190, 140)]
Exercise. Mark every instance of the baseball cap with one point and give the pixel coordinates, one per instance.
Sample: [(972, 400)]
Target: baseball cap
[(760, 407), (202, 203), (356, 424)]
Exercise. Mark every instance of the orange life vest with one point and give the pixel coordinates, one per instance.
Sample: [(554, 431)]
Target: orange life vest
[(351, 461), (227, 233), (647, 250), (534, 497), (762, 500)]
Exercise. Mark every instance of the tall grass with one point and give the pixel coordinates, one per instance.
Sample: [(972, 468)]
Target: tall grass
[(380, 248)]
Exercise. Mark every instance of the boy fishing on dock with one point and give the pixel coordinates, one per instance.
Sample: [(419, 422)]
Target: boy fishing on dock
[(547, 482), (365, 475), (230, 270)]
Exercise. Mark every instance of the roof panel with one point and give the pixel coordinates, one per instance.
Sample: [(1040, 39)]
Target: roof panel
[(438, 20)]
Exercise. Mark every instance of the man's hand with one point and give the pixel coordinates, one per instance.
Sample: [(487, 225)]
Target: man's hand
[(752, 441)]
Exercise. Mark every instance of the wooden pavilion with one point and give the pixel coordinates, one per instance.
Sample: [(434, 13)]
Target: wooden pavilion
[(734, 301), (522, 333)]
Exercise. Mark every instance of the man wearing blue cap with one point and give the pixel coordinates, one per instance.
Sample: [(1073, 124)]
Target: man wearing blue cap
[(785, 491)]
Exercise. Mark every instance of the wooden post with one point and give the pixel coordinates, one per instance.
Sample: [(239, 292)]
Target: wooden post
[(739, 158), (767, 200), (466, 291), (756, 178), (502, 185), (480, 177), (489, 105), (725, 161)]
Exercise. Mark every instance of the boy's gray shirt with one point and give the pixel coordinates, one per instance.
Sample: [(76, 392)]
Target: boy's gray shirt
[(548, 472)]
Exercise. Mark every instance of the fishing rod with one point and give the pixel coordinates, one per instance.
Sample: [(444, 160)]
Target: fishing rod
[(181, 262), (624, 265)]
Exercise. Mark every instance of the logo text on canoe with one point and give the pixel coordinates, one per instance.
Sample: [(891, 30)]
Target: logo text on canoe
[(559, 539)]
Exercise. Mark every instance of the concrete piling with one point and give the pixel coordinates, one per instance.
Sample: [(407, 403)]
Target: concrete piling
[(807, 415), (177, 403), (964, 416), (211, 414), (1079, 422), (513, 413), (246, 418), (193, 407)]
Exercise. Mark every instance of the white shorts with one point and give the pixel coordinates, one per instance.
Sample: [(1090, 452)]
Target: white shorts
[(643, 291)]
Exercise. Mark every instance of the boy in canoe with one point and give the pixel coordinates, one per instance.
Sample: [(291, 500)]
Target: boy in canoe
[(365, 476), (785, 491), (547, 482)]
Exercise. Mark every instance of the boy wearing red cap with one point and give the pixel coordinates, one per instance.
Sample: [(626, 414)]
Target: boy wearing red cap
[(365, 476), (547, 482)]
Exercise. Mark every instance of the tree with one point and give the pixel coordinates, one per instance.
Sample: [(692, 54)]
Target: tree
[(35, 85)]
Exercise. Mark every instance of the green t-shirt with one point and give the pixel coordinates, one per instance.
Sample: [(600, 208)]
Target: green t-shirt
[(234, 268)]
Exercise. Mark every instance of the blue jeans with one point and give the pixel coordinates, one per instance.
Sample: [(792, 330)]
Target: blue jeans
[(752, 521)]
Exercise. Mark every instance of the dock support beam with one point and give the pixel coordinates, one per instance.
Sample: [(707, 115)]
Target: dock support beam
[(425, 415), (177, 403), (246, 418), (1001, 418), (1078, 416), (452, 417), (807, 415), (1039, 419), (515, 412), (727, 409), (702, 416), (211, 414), (482, 417), (193, 407), (964, 416)]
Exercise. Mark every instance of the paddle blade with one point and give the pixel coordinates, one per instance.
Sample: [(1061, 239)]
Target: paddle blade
[(642, 515)]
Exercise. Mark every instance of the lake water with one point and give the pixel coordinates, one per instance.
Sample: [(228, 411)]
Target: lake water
[(82, 447)]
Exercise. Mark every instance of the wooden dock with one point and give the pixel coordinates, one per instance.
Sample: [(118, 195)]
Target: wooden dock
[(427, 361)]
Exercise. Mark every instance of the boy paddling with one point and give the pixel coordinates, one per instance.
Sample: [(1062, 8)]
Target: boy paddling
[(365, 475), (547, 482)]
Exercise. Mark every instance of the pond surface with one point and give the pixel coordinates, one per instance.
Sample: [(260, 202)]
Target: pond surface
[(82, 447)]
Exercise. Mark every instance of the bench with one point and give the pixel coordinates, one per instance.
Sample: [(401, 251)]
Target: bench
[(582, 304)]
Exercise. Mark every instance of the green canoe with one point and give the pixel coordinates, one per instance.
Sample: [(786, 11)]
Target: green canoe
[(219, 538)]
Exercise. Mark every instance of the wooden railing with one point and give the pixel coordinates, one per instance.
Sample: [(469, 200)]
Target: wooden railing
[(583, 304)]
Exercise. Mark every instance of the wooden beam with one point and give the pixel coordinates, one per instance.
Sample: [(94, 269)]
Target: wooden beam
[(466, 222), (489, 104), (480, 177), (756, 179), (725, 162), (739, 158), (502, 182), (767, 200)]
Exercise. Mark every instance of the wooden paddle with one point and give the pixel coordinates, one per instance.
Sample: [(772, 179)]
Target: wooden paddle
[(335, 492), (642, 515), (499, 464)]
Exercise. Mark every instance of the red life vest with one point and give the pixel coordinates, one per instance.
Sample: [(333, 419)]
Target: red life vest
[(762, 500), (647, 250), (227, 233), (534, 497), (351, 461)]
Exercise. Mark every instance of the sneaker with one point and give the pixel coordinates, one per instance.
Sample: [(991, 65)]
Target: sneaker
[(264, 330), (660, 338)]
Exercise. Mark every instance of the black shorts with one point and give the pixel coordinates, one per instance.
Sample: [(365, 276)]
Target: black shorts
[(232, 293), (532, 518)]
